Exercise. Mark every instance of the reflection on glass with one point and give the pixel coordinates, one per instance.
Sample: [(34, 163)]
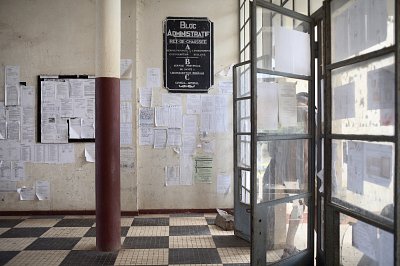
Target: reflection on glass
[(283, 43), (361, 26), (364, 244), (245, 187), (243, 149), (282, 105), (363, 98), (286, 230), (243, 80), (282, 169), (243, 116), (362, 173)]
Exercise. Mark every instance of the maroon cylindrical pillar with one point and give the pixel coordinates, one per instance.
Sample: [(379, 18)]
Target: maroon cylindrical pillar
[(108, 206)]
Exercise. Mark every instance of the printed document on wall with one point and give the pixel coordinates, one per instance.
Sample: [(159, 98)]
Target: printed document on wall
[(161, 116), (153, 78), (190, 124), (146, 136), (379, 161), (146, 116), (365, 238), (160, 138), (355, 167), (126, 68), (193, 104), (344, 101), (203, 166), (169, 99), (43, 190), (126, 134), (186, 170), (145, 96), (126, 112), (12, 87)]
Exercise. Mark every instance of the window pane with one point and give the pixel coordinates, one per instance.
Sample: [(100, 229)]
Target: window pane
[(287, 227), (282, 169), (243, 115), (361, 26), (243, 80), (363, 98), (282, 105), (243, 149), (362, 174), (364, 244), (245, 186), (283, 43)]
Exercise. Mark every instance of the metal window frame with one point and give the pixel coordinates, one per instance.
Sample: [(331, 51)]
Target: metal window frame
[(334, 207)]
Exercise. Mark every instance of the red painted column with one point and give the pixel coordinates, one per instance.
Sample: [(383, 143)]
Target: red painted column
[(108, 204)]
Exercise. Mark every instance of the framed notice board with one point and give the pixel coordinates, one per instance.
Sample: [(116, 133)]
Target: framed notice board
[(66, 109), (188, 54)]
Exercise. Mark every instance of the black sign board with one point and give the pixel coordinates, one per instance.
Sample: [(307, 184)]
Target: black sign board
[(188, 54)]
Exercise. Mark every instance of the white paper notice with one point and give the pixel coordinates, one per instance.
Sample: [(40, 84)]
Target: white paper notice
[(153, 78), (27, 96), (355, 167), (126, 112), (186, 178), (126, 134), (288, 43), (380, 84), (188, 144), (225, 87), (43, 190), (223, 184), (62, 90), (66, 153), (344, 101), (160, 138), (26, 193), (13, 130), (51, 153), (12, 88), (172, 175), (193, 104), (145, 96), (17, 171), (146, 136), (27, 151), (13, 113), (75, 128), (125, 90), (90, 154), (126, 68), (287, 114), (190, 124), (207, 113), (162, 116), (379, 159), (3, 129), (267, 106), (5, 171), (169, 99), (365, 238), (39, 153), (175, 117), (174, 137), (146, 117), (76, 88), (87, 128)]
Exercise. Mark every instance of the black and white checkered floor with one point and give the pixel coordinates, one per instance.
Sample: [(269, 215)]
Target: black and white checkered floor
[(146, 240)]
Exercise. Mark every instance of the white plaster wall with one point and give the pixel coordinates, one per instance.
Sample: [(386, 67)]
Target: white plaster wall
[(58, 37), (152, 193)]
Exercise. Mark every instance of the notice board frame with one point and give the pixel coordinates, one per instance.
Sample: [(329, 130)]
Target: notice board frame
[(179, 71), (39, 104)]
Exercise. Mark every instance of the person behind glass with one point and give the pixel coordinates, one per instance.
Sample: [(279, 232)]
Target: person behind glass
[(287, 172)]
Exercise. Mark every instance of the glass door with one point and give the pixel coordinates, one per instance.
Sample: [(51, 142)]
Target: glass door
[(282, 135), (361, 132)]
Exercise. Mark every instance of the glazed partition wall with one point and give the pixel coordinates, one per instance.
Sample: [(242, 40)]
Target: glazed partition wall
[(361, 132)]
